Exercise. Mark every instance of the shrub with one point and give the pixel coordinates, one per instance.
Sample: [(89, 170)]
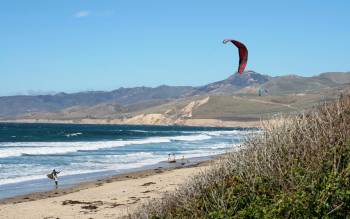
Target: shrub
[(299, 167)]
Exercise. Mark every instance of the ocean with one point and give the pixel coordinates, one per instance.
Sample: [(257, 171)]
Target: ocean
[(28, 152)]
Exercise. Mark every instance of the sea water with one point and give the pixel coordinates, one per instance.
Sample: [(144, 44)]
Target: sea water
[(28, 152)]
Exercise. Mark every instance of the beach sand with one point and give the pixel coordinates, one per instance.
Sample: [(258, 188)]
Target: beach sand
[(112, 197)]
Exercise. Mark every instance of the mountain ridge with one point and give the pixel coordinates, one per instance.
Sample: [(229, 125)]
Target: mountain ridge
[(170, 102)]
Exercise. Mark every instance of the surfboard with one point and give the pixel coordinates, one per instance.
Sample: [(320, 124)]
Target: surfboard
[(50, 176)]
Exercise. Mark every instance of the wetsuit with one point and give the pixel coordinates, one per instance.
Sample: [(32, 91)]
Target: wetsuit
[(55, 177)]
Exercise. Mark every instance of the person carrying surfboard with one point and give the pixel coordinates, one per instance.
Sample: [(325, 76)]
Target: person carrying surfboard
[(54, 175)]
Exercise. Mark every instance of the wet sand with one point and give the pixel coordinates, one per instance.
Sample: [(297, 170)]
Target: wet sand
[(111, 197)]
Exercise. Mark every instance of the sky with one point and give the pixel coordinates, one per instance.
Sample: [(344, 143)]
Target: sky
[(51, 46)]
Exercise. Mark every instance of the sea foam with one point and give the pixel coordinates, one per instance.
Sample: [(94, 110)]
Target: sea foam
[(10, 149)]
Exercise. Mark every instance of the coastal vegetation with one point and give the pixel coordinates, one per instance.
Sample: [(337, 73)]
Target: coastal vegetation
[(298, 167)]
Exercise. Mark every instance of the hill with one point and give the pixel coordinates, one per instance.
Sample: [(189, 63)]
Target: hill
[(16, 105), (233, 99), (336, 77), (234, 83)]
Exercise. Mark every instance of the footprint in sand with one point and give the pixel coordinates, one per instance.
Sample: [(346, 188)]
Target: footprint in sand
[(134, 202), (113, 205), (89, 207), (147, 184)]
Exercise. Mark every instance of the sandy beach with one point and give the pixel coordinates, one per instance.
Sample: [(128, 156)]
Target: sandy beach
[(113, 197)]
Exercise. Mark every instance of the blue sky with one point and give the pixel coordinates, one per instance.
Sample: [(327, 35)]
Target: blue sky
[(72, 45)]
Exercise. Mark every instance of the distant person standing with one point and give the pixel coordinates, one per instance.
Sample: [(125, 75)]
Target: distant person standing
[(169, 159), (173, 160), (54, 175), (183, 160)]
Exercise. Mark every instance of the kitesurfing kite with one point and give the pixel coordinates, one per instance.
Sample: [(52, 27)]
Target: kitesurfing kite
[(243, 54)]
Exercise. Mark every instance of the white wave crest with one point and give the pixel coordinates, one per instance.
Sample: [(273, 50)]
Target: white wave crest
[(110, 162), (74, 134), (49, 148), (230, 132), (190, 137)]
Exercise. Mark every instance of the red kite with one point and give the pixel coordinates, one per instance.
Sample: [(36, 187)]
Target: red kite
[(243, 54)]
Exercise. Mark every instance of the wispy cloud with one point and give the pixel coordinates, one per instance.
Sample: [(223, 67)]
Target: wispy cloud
[(83, 13)]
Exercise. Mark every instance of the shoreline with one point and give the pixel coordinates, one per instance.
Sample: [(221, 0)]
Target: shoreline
[(134, 173), (111, 197), (39, 183), (214, 123)]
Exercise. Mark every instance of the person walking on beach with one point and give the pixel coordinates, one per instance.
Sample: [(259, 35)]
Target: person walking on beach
[(54, 175), (183, 160)]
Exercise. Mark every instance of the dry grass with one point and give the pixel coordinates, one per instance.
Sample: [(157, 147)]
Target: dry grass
[(287, 171)]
